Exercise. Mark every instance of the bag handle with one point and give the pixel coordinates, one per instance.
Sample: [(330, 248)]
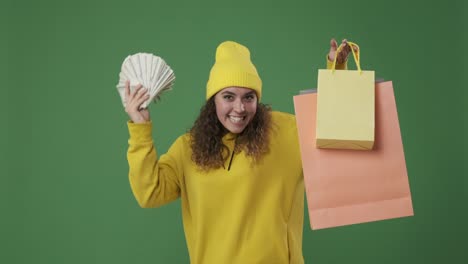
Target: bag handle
[(356, 56)]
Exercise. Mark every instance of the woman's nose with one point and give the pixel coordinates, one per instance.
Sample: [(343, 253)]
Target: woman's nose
[(239, 106)]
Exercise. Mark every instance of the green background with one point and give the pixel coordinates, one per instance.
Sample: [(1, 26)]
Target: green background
[(65, 195)]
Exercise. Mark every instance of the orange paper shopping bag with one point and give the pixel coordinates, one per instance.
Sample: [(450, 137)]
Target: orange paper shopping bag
[(346, 187)]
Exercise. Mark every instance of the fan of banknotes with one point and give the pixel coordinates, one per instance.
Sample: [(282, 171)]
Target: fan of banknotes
[(151, 71)]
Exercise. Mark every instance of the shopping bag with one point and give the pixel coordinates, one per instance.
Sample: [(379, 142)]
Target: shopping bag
[(346, 187), (345, 107)]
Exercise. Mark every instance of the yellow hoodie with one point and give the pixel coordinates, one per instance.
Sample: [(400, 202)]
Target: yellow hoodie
[(251, 213)]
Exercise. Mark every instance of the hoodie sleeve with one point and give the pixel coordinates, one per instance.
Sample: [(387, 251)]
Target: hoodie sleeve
[(154, 182)]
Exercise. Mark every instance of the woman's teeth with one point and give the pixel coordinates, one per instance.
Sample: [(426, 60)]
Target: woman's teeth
[(236, 119)]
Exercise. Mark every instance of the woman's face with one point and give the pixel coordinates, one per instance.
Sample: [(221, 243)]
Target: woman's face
[(236, 107)]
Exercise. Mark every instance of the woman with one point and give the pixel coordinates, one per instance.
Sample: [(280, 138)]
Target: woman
[(237, 171)]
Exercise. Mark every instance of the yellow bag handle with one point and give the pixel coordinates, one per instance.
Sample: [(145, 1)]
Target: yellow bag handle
[(356, 56)]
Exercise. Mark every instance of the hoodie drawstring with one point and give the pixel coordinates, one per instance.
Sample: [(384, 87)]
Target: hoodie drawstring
[(230, 161)]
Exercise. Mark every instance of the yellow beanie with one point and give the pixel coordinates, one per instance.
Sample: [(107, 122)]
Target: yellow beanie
[(233, 68)]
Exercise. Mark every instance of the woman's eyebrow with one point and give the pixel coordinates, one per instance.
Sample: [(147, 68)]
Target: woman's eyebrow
[(231, 93)]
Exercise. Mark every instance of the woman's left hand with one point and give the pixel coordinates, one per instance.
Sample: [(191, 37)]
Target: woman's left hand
[(343, 54)]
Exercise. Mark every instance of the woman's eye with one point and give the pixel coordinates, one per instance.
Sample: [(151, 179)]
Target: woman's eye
[(228, 97), (249, 97)]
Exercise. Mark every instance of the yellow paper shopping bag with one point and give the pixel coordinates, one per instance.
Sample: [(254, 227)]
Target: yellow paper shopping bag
[(345, 107)]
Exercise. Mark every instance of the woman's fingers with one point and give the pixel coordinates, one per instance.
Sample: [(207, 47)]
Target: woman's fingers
[(345, 50), (333, 47), (343, 54), (138, 97), (141, 93), (341, 57), (135, 91), (134, 99), (141, 100), (127, 89), (141, 96)]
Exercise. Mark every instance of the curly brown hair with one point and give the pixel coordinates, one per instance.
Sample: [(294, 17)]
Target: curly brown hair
[(207, 133)]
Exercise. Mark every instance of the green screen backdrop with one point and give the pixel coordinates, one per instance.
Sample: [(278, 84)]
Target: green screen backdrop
[(65, 195)]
